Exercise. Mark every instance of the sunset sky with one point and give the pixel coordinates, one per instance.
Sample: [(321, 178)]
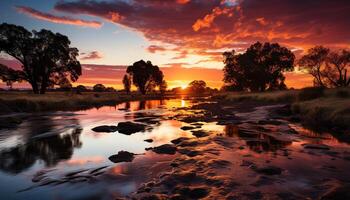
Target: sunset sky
[(185, 38)]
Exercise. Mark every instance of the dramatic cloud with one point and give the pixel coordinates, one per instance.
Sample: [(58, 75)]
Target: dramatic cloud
[(215, 24), (93, 55), (155, 48), (57, 19)]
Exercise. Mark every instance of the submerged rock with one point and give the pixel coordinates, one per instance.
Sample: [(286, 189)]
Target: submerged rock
[(269, 170), (200, 133), (122, 156), (105, 128), (179, 140), (165, 149), (129, 128)]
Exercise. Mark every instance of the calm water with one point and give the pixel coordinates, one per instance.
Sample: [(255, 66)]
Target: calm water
[(63, 142)]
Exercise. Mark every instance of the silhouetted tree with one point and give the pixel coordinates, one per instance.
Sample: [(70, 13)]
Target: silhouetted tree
[(162, 87), (46, 57), (197, 86), (329, 68), (336, 69), (127, 83), (110, 89), (314, 62), (81, 88), (145, 75), (260, 68), (99, 88)]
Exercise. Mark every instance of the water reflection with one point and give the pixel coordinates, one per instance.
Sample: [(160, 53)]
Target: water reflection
[(256, 141), (47, 140)]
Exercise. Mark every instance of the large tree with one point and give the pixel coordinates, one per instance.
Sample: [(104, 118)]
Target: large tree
[(260, 68), (197, 86), (145, 75), (329, 68), (46, 57), (314, 63)]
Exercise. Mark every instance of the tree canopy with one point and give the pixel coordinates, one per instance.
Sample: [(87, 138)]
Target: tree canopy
[(46, 57), (328, 68), (260, 68), (127, 83), (145, 75), (197, 86)]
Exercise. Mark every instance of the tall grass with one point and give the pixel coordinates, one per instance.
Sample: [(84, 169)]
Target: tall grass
[(60, 101)]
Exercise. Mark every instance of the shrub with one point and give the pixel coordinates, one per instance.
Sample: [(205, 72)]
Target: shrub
[(310, 93), (342, 94)]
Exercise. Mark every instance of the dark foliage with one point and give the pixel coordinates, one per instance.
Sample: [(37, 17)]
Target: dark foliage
[(145, 75), (197, 86), (329, 68), (260, 68), (310, 93), (46, 57)]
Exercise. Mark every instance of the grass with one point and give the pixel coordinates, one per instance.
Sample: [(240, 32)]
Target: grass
[(61, 101), (317, 108)]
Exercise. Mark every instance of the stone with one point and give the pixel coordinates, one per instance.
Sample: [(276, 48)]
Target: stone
[(165, 149), (105, 128), (122, 156), (129, 128)]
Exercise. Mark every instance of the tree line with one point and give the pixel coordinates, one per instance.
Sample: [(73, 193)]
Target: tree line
[(261, 67), (48, 60)]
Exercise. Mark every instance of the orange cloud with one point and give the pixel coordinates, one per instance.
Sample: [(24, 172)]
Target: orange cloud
[(56, 19), (208, 20), (93, 55), (155, 48)]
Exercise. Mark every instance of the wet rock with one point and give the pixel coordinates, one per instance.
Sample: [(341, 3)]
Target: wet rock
[(190, 153), (165, 149), (179, 140), (122, 156), (218, 163), (149, 140), (316, 146), (269, 170), (129, 128), (105, 128), (185, 128), (198, 193), (200, 133), (9, 122)]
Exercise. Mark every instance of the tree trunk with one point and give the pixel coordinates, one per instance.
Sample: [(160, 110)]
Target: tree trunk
[(35, 87)]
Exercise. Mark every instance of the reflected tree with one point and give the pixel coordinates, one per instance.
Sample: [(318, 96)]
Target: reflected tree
[(50, 149)]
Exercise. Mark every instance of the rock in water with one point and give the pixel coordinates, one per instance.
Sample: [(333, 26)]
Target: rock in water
[(165, 149), (269, 170), (148, 140), (105, 128), (200, 133), (122, 156), (129, 128)]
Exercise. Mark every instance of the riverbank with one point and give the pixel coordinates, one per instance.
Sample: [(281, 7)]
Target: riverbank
[(64, 101), (319, 109)]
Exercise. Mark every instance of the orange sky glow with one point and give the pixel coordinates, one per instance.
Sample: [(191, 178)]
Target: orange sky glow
[(185, 38)]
